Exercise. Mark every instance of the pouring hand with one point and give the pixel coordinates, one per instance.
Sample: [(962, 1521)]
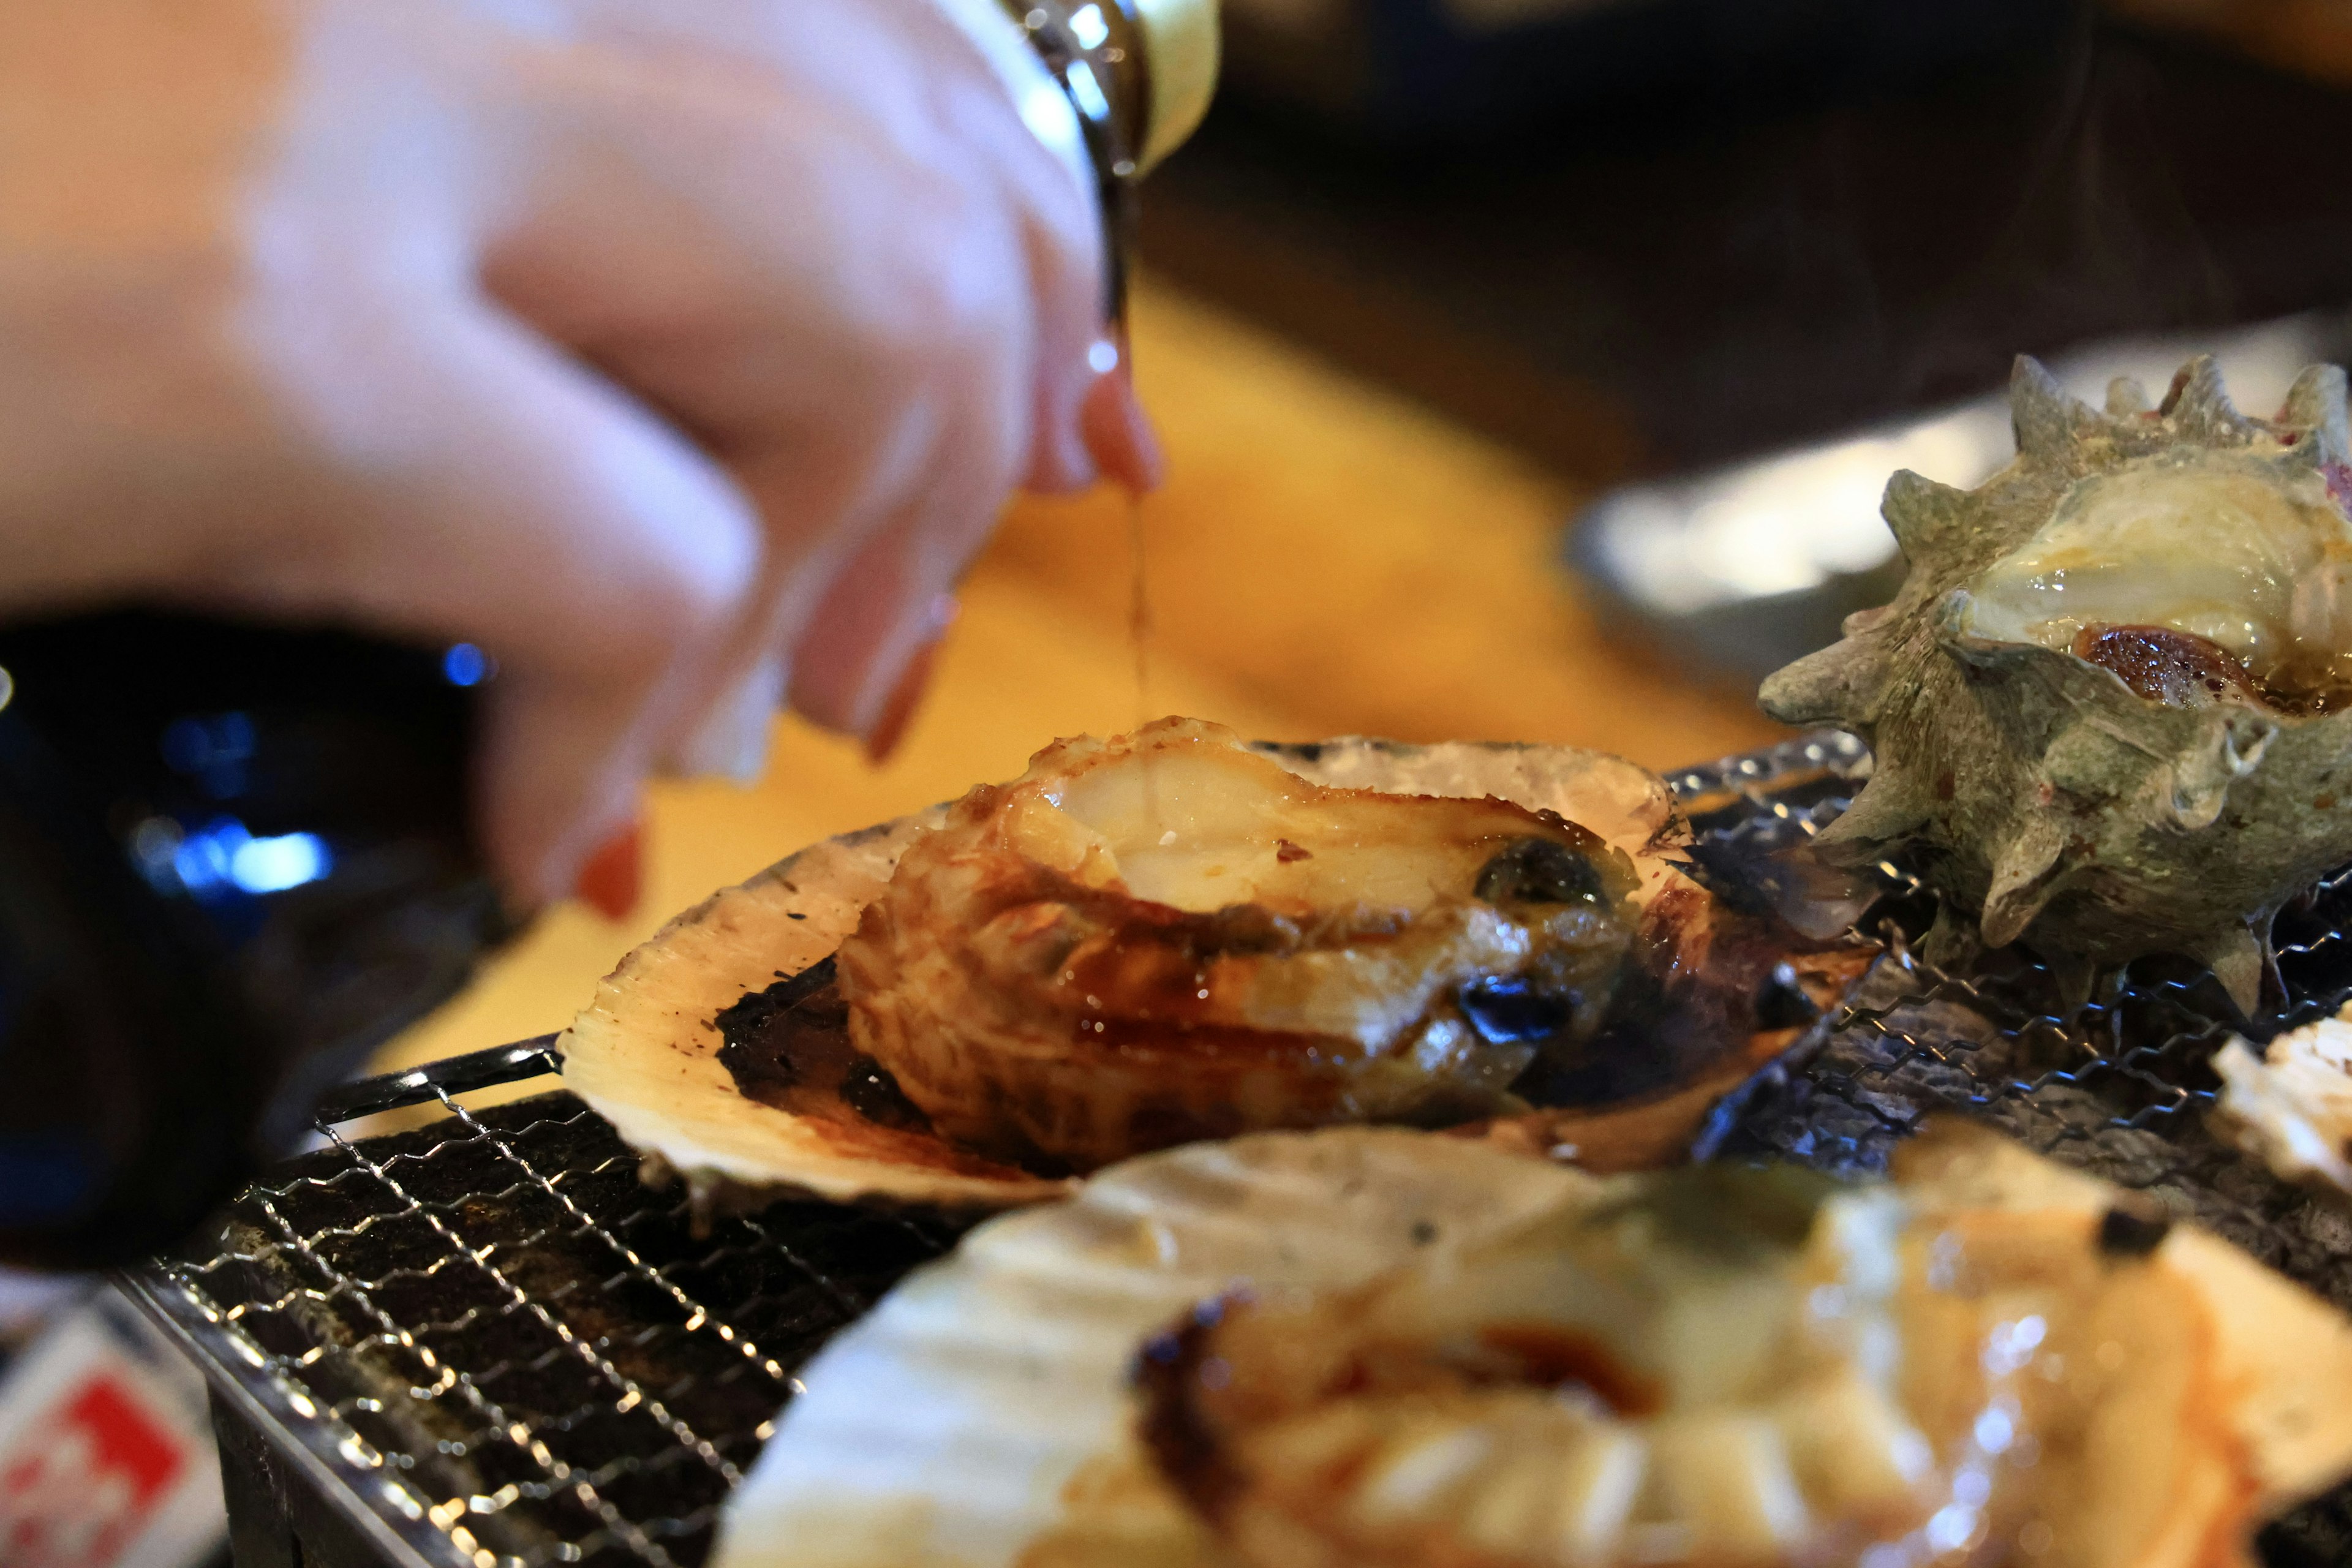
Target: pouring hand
[(679, 352)]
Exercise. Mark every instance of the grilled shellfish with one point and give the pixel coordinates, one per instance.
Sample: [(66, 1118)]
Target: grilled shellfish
[(1986, 1361), (2289, 1104), (1410, 1349), (1175, 935), (1170, 936), (2111, 705)]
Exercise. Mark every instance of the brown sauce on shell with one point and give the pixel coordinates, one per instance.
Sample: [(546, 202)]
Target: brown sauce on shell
[(1555, 1357), (1236, 1043), (1195, 1400), (1175, 1430), (1148, 980), (788, 1047)]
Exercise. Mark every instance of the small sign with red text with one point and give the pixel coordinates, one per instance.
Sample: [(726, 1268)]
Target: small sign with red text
[(106, 1457)]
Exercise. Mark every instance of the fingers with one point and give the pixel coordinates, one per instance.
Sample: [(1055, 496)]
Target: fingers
[(852, 669), (905, 700), (869, 294), (945, 89), (854, 335), (502, 495), (887, 608), (1120, 435), (731, 741), (1038, 160), (861, 660), (613, 876), (620, 652)]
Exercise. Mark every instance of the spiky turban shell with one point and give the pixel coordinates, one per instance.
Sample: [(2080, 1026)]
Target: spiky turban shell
[(2041, 797)]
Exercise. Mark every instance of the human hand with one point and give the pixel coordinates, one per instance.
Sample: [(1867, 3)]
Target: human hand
[(677, 352)]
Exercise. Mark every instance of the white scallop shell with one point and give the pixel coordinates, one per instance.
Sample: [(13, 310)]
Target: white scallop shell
[(979, 1416), (644, 1054)]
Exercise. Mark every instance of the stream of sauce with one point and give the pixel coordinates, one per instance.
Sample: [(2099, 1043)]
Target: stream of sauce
[(1138, 607), (1138, 638), (1139, 586)]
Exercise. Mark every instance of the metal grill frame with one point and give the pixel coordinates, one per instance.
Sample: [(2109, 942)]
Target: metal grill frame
[(377, 1515), (322, 1454), (1891, 1054)]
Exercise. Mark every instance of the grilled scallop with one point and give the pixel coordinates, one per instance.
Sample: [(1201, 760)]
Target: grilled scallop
[(1392, 1347), (965, 1006), (2289, 1104), (1170, 936), (1742, 1367), (1679, 1371)]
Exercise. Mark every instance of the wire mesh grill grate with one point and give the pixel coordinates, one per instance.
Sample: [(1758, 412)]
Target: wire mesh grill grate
[(487, 1339), (506, 1343)]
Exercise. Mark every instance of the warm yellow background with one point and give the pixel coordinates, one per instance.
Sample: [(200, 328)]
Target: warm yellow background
[(1327, 559)]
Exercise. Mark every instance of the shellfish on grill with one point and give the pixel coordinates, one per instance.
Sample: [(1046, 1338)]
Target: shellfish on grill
[(980, 1415), (1168, 936), (2111, 709), (2289, 1104), (1354, 970), (1401, 1348)]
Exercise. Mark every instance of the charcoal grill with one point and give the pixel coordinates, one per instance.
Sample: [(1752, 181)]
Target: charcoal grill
[(485, 1343)]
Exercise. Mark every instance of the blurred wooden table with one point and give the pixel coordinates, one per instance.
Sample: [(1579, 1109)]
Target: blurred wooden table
[(1327, 559)]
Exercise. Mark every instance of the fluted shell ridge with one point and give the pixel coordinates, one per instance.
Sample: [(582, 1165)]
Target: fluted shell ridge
[(2041, 796)]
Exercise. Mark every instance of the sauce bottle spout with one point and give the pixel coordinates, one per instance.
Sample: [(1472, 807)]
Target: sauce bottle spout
[(1139, 73)]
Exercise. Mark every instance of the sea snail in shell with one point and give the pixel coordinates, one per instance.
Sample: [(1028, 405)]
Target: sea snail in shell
[(2112, 707)]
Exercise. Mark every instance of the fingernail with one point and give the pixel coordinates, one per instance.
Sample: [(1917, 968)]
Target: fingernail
[(1118, 433), (613, 876), (898, 709)]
